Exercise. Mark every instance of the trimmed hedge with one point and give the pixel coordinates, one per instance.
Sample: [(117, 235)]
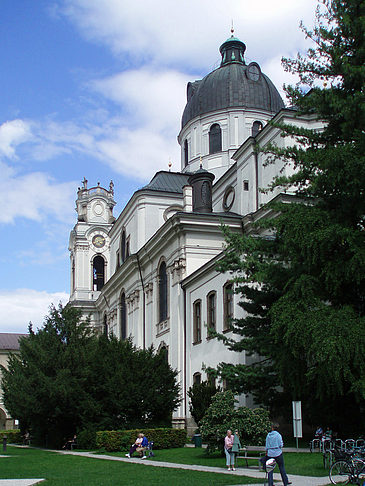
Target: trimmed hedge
[(115, 440), (14, 436)]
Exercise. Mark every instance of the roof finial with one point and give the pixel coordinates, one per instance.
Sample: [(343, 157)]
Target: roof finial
[(170, 164), (232, 29), (201, 163)]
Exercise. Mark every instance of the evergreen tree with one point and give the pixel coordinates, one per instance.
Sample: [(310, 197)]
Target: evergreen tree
[(66, 378), (303, 291), (201, 395)]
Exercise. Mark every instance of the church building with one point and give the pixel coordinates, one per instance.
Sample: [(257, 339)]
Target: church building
[(151, 273)]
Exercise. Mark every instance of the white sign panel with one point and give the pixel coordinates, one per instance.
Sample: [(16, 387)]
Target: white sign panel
[(297, 419)]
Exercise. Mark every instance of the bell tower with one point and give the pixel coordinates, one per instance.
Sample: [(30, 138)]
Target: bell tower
[(89, 242)]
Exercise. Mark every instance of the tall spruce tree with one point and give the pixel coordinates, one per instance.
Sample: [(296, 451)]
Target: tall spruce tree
[(304, 290)]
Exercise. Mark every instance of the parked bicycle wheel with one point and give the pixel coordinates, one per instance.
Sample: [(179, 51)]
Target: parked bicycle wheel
[(340, 473), (359, 467)]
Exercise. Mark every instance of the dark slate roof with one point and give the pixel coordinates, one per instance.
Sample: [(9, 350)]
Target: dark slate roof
[(230, 86), (10, 340), (165, 181)]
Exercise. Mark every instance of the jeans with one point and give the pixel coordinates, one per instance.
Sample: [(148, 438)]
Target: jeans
[(280, 462), (229, 457)]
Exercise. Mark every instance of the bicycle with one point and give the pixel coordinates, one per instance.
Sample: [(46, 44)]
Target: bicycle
[(349, 470)]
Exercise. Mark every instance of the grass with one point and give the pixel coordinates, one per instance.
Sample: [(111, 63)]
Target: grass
[(300, 463), (68, 470)]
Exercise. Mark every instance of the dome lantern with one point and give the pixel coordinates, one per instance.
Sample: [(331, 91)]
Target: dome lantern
[(232, 51)]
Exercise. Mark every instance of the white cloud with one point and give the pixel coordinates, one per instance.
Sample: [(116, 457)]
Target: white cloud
[(19, 307), (34, 196), (12, 134), (188, 32), (151, 96), (139, 152)]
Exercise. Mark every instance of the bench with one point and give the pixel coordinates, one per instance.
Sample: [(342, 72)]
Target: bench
[(243, 455)]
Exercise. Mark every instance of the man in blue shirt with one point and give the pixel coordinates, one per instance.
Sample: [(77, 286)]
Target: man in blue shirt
[(274, 444)]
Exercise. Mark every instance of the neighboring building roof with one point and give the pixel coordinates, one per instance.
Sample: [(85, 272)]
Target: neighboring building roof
[(165, 181), (10, 340), (233, 85)]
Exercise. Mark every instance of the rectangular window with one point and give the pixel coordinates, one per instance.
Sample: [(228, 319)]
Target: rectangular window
[(245, 185), (228, 306), (197, 322), (212, 310)]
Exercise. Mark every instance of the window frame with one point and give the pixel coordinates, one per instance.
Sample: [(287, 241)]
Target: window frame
[(163, 300), (197, 378), (215, 139), (197, 322), (186, 152), (228, 306), (211, 312), (98, 281), (257, 126), (123, 244), (123, 316)]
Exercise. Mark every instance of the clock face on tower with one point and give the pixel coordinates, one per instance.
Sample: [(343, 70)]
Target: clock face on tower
[(98, 241)]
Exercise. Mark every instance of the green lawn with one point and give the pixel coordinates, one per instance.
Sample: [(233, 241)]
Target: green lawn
[(301, 463), (67, 470)]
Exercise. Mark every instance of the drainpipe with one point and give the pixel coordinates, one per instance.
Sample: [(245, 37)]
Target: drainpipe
[(143, 304)]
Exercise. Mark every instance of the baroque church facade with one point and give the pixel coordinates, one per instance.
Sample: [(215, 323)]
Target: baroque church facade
[(151, 273)]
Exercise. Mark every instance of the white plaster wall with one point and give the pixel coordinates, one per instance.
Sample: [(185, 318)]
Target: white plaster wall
[(236, 126), (210, 352)]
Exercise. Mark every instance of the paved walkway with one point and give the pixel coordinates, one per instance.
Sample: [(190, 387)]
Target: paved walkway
[(20, 482), (296, 480)]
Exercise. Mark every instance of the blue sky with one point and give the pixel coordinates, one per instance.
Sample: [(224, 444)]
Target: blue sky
[(96, 88)]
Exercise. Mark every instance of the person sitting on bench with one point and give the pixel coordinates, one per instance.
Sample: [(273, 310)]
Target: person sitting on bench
[(139, 445)]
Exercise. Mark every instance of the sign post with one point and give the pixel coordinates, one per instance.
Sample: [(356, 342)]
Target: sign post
[(297, 420)]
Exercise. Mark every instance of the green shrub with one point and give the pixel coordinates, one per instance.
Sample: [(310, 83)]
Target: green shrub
[(163, 438), (86, 439), (14, 436), (222, 415)]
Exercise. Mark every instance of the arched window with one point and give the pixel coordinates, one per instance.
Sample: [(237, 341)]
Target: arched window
[(162, 292), (165, 352), (98, 272), (105, 326), (228, 306), (197, 322), (197, 378), (186, 153), (123, 317), (211, 379), (212, 311), (257, 126), (215, 139), (123, 246)]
